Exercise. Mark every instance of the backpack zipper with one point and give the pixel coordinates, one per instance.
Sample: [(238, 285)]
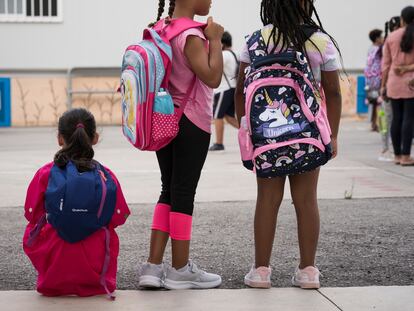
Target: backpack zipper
[(104, 190)]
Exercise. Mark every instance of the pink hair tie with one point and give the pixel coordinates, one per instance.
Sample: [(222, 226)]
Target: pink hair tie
[(80, 125)]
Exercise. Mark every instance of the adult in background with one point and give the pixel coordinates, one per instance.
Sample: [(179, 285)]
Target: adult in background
[(399, 51), (385, 112), (373, 74), (224, 94)]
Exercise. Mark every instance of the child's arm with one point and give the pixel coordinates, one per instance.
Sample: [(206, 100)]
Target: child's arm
[(332, 89), (401, 70), (34, 204), (208, 67), (122, 211), (239, 94)]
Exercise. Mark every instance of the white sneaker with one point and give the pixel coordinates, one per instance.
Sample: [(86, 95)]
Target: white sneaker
[(258, 277), (386, 157), (190, 277), (307, 278), (151, 276)]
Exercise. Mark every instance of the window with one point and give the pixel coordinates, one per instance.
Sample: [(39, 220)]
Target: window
[(31, 11)]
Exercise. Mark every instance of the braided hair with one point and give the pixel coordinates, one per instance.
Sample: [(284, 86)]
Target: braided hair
[(288, 18), (161, 8)]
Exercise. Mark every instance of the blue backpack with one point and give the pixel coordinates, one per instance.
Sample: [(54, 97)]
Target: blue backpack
[(79, 203)]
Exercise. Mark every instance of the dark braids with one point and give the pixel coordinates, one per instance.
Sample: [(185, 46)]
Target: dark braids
[(171, 9), (161, 8), (288, 18)]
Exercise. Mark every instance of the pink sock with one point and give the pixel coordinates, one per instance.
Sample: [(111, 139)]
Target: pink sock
[(161, 219), (180, 226)]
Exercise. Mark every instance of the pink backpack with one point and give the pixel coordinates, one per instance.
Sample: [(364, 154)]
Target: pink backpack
[(150, 119)]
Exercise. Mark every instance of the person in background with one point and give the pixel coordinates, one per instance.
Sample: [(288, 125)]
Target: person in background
[(385, 113), (399, 51), (373, 74), (224, 94)]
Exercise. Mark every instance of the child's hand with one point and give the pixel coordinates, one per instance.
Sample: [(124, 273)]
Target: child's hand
[(213, 31), (400, 70), (334, 143)]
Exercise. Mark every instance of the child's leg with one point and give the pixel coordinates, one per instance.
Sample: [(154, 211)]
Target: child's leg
[(160, 226), (269, 198), (219, 126), (189, 154), (304, 194), (232, 121)]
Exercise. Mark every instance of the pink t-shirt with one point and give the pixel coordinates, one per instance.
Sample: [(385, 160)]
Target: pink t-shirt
[(397, 86), (199, 107)]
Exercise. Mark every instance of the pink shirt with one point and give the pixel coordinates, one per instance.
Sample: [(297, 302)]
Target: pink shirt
[(199, 108), (397, 86)]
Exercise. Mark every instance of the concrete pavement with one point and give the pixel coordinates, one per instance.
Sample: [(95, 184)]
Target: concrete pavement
[(286, 299), (366, 241), (23, 151)]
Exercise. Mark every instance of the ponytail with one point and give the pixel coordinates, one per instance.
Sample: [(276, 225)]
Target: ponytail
[(407, 41), (77, 127)]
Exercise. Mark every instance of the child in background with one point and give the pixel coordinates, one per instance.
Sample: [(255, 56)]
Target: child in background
[(73, 206), (385, 112), (224, 95), (281, 33), (197, 54), (373, 75)]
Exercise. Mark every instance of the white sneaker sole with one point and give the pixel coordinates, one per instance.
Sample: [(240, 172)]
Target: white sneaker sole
[(148, 281), (170, 284), (257, 284), (306, 285)]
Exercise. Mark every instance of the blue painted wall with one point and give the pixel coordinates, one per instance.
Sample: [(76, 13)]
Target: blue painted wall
[(362, 107), (5, 105)]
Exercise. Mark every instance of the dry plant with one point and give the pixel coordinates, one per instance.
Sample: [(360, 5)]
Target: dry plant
[(55, 104), (23, 101), (87, 101), (37, 115), (114, 99)]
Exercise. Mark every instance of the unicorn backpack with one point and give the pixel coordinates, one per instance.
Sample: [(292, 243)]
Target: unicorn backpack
[(285, 130), (150, 120)]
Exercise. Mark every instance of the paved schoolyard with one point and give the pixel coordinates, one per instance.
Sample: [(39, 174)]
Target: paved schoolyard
[(365, 241)]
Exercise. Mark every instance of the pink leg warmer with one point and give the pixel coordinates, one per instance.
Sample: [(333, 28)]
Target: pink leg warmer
[(180, 226), (161, 219)]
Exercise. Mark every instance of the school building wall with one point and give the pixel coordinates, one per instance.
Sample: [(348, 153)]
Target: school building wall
[(37, 56)]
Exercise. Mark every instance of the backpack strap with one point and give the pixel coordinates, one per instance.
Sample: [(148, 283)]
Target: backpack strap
[(171, 28), (257, 46), (106, 263), (187, 97)]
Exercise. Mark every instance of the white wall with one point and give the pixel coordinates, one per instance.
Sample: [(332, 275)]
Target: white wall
[(95, 32)]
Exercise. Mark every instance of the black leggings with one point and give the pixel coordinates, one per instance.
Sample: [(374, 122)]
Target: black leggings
[(402, 127), (181, 163)]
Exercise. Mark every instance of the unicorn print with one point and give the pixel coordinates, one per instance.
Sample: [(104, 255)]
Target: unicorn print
[(276, 112)]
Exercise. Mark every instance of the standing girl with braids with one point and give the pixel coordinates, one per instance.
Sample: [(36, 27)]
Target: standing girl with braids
[(288, 25), (197, 56), (73, 206), (397, 72)]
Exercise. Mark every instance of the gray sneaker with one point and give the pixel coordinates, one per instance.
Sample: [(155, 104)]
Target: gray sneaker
[(191, 278), (151, 276)]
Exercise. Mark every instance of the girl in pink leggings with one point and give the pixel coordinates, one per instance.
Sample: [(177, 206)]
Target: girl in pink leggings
[(197, 55)]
